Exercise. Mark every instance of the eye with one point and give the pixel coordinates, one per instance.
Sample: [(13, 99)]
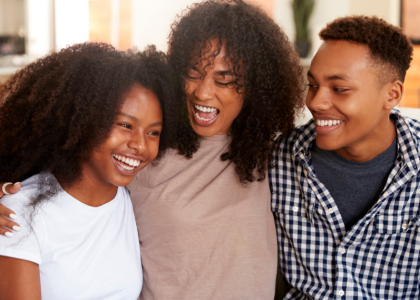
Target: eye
[(128, 126), (340, 90), (313, 86), (154, 133), (193, 75), (192, 78), (230, 84)]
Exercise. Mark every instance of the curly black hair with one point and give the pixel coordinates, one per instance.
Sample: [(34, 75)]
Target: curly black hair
[(390, 49), (57, 110), (273, 84)]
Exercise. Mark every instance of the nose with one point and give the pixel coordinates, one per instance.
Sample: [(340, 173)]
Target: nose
[(318, 99), (138, 143), (204, 90)]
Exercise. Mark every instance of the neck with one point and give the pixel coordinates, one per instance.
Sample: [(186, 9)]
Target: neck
[(371, 146), (92, 191)]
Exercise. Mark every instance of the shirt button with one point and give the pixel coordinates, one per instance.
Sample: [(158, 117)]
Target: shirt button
[(342, 250), (330, 210), (341, 293), (295, 208), (404, 226)]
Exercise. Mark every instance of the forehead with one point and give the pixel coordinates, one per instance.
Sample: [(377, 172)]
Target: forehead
[(341, 57), (212, 54), (140, 101)]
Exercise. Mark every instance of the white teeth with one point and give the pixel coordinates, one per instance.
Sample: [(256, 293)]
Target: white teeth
[(127, 168), (132, 162), (205, 109), (205, 120), (323, 123)]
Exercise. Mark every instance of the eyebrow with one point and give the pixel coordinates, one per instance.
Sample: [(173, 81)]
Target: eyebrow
[(137, 120), (332, 77), (156, 124), (223, 73), (129, 116)]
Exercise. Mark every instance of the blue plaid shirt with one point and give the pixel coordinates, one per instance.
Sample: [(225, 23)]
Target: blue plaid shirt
[(379, 258)]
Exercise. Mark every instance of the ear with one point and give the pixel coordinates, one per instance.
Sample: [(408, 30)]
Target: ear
[(394, 92)]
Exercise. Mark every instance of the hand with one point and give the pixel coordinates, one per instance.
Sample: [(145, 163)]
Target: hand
[(7, 226), (11, 188)]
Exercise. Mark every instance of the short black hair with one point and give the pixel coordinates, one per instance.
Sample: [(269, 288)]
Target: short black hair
[(390, 49), (273, 84)]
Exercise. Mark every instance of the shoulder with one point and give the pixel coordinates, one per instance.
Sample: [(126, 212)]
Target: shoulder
[(407, 126), (414, 126), (299, 138), (123, 194)]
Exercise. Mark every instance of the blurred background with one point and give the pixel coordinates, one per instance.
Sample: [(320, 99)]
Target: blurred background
[(30, 29)]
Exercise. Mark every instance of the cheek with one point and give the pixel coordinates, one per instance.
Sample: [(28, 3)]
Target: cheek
[(233, 108), (115, 138), (153, 149)]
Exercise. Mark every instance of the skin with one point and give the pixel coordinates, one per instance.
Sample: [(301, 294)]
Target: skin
[(344, 86), (136, 135), (211, 87)]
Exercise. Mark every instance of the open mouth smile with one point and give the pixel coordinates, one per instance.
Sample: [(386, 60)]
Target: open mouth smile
[(205, 115), (126, 163)]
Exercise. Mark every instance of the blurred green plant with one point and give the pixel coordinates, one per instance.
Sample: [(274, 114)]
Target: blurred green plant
[(302, 10)]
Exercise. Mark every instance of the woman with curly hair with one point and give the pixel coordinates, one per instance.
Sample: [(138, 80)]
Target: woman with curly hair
[(203, 212), (75, 127)]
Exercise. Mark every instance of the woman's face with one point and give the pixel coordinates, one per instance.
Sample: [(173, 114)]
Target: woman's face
[(133, 142), (213, 100)]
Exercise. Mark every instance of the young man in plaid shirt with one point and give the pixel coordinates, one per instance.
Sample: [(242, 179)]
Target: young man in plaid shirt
[(344, 186)]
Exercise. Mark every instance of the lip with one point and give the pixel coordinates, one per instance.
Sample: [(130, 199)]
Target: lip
[(125, 172), (201, 122), (326, 117)]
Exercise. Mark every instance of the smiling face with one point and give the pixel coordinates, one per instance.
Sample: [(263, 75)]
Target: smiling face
[(133, 142), (213, 101), (349, 107)]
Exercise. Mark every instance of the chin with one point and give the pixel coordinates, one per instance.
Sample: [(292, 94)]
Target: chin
[(122, 181), (203, 131), (326, 144)]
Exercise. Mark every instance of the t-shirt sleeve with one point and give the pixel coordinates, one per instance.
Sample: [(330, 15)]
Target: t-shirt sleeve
[(27, 243)]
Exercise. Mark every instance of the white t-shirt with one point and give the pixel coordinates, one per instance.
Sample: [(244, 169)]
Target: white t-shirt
[(83, 252)]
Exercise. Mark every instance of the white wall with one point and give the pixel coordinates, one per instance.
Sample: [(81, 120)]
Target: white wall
[(151, 21), (71, 22), (39, 27)]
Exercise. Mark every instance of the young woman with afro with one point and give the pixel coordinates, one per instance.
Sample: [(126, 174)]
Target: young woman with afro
[(76, 127), (203, 210)]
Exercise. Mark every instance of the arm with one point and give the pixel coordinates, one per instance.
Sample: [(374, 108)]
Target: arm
[(19, 279), (6, 225)]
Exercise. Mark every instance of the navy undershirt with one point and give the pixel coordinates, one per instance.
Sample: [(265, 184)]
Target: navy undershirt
[(354, 186)]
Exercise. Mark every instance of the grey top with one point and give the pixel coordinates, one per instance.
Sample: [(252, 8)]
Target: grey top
[(354, 186)]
